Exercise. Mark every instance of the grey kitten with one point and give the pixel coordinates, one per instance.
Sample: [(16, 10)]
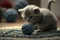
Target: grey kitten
[(43, 19)]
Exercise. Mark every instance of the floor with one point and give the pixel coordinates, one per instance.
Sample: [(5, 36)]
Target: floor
[(11, 25), (15, 25)]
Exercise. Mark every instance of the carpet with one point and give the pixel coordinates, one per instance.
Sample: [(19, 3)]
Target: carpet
[(18, 34)]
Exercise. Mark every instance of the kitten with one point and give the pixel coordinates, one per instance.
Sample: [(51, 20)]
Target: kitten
[(42, 18)]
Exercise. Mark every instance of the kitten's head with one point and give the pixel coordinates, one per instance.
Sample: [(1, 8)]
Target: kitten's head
[(30, 12)]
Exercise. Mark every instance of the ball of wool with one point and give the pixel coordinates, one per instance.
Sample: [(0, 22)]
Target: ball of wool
[(6, 4), (1, 14), (20, 4), (27, 29), (11, 15)]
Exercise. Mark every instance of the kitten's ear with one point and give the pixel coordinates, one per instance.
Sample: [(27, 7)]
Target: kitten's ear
[(36, 11), (20, 10)]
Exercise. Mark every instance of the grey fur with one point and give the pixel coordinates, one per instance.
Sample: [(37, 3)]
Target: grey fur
[(49, 4), (43, 19)]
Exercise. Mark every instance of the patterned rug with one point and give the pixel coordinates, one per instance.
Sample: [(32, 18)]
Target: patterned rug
[(18, 34)]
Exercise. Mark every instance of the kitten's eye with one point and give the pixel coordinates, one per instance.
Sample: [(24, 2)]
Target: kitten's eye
[(36, 11), (27, 12)]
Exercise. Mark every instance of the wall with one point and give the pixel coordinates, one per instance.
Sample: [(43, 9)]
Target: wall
[(55, 6), (34, 2)]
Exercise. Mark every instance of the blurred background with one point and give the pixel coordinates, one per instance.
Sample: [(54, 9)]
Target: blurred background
[(19, 21)]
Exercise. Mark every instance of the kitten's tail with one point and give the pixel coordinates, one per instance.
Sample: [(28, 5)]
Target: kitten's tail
[(49, 4)]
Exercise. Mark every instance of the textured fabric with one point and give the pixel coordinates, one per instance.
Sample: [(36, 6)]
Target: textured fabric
[(20, 4), (18, 34), (11, 15), (1, 14), (6, 4)]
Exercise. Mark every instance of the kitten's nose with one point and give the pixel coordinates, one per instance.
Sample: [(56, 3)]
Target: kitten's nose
[(31, 17)]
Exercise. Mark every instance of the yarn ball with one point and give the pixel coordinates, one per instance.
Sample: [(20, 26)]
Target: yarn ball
[(11, 15), (20, 4), (1, 14), (5, 4), (27, 29)]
